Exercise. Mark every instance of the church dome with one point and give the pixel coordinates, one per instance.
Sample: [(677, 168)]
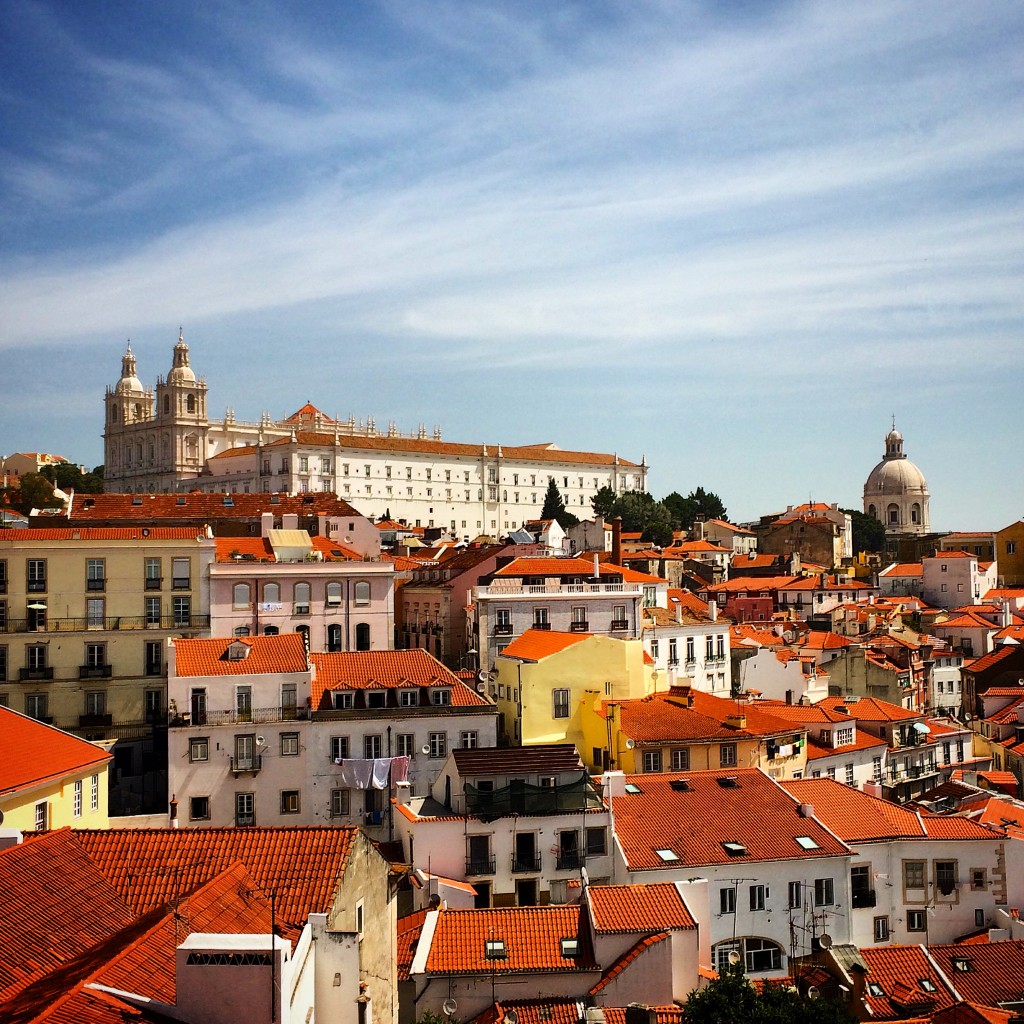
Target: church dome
[(129, 384), (181, 372), (896, 492), (895, 476)]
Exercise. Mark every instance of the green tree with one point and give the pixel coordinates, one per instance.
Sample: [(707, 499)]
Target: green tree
[(698, 502), (731, 997), (36, 492), (640, 513), (554, 507), (68, 477), (868, 532), (604, 502)]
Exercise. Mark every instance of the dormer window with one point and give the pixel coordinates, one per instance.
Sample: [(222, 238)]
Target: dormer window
[(409, 698), (735, 849), (343, 700), (376, 698), (441, 698), (238, 651)]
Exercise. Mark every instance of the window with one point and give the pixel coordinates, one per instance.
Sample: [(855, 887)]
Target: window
[(290, 801), (42, 816), (917, 920), (690, 653), (468, 740), (35, 657), (560, 703), (727, 900), (913, 874), (881, 929), (35, 572), (3, 576), (758, 893), (181, 573), (824, 892), (94, 612), (540, 619), (344, 700), (652, 761), (709, 648), (153, 612), (1011, 547), (76, 806), (36, 706), (289, 744), (361, 593), (271, 593), (979, 879), (95, 656), (153, 654), (96, 702), (405, 744), (182, 611), (362, 636), (245, 753), (245, 809), (94, 795), (681, 759), (334, 637), (95, 574), (339, 803), (339, 748), (597, 842), (243, 703), (441, 698), (945, 876), (408, 698), (240, 595), (727, 755), (301, 598), (795, 895), (438, 744), (372, 747), (761, 955), (848, 774)]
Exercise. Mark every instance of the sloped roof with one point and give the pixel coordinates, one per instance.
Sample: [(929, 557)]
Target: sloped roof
[(102, 533), (267, 654), (902, 569), (261, 549), (544, 566), (638, 908), (754, 813), (384, 670), (852, 815), (870, 709), (208, 507), (537, 644), (151, 867), (532, 938), (543, 758), (35, 753)]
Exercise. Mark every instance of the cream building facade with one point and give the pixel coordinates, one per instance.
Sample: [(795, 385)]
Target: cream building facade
[(896, 493)]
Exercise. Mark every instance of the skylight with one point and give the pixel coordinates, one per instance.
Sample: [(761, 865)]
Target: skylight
[(734, 849), (632, 787), (806, 843), (927, 984), (570, 947), (728, 781), (667, 855), (875, 989), (494, 949)]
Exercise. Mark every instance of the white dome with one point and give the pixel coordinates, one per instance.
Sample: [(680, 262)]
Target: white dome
[(895, 476), (181, 375), (128, 385)]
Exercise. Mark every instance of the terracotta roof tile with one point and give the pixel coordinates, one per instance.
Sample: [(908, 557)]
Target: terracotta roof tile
[(532, 939), (852, 815), (638, 908), (35, 753), (382, 670), (542, 758), (870, 709), (267, 654), (207, 507), (583, 567), (695, 823), (260, 549), (537, 644), (103, 533)]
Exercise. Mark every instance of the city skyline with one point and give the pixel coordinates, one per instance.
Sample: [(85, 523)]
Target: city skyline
[(736, 241)]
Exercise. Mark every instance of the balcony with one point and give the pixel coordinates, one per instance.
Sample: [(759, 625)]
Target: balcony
[(541, 625), (620, 624), (569, 860), (555, 588), (181, 583), (41, 674), (95, 721), (525, 863), (579, 626), (257, 716), (864, 898), (154, 582), (245, 820), (95, 584), (111, 623), (480, 866), (240, 765), (36, 586), (503, 629), (673, 662), (95, 671)]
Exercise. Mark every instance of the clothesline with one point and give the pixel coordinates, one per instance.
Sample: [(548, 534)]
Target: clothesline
[(373, 772)]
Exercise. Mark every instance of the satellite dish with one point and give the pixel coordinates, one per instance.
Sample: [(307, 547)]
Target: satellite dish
[(734, 957), (511, 1017), (825, 940), (261, 741), (813, 992), (630, 744), (482, 675), (967, 716), (481, 687), (449, 1006), (584, 877), (425, 749)]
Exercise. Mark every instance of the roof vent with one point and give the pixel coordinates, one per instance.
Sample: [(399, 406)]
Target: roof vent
[(805, 810), (841, 709), (680, 785), (181, 500), (728, 781), (136, 501), (734, 849)]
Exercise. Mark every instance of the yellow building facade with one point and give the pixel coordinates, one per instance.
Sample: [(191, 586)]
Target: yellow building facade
[(545, 681)]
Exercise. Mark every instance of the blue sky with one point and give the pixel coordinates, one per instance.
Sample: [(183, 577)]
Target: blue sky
[(735, 237)]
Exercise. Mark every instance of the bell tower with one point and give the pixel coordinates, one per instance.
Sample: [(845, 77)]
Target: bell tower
[(128, 415), (181, 418)]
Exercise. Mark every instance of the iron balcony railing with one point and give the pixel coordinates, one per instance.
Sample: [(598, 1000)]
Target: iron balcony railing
[(110, 623), (253, 763), (524, 863), (480, 866), (255, 716)]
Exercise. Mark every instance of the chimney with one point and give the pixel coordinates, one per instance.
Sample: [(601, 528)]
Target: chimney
[(617, 540), (614, 784), (174, 810), (403, 794), (266, 523), (713, 608), (597, 566), (290, 521), (805, 810)]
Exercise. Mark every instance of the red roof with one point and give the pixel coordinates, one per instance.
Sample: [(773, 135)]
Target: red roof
[(583, 567), (267, 655), (695, 824), (638, 908), (260, 549), (207, 507), (536, 644), (36, 753), (870, 709), (381, 670), (104, 533)]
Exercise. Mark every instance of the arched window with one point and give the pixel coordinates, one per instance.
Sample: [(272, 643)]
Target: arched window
[(915, 513), (303, 631), (240, 595), (242, 630), (301, 599), (893, 514), (138, 411), (113, 413), (167, 405), (362, 594), (362, 636), (272, 593), (270, 631), (190, 403), (756, 955), (334, 637), (334, 593), (872, 512)]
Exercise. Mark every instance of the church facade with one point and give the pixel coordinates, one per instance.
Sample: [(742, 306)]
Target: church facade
[(164, 442)]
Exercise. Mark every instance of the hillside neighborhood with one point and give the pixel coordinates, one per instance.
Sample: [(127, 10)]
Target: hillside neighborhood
[(311, 720)]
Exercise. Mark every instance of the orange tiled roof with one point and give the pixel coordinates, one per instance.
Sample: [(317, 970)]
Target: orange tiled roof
[(994, 657), (35, 753), (267, 654), (694, 824), (207, 507), (825, 640), (903, 569), (852, 815), (861, 741), (409, 929), (103, 533), (870, 709), (532, 937), (382, 670), (537, 644), (572, 567), (260, 549), (740, 634), (151, 867), (638, 908)]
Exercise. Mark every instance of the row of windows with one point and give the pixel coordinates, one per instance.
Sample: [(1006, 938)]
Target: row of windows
[(679, 758), (714, 649), (96, 574), (758, 895), (241, 595), (37, 705), (94, 663), (42, 808)]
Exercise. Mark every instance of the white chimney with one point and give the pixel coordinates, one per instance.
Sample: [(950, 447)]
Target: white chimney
[(713, 608), (597, 566), (614, 784)]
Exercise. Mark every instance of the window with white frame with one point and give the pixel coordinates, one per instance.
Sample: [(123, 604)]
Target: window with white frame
[(289, 744), (94, 793), (652, 761), (438, 744), (76, 806), (373, 747), (339, 748), (727, 900), (681, 759), (340, 802)]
